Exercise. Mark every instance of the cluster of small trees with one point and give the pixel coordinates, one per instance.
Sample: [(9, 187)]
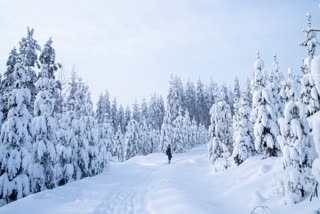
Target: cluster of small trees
[(271, 116)]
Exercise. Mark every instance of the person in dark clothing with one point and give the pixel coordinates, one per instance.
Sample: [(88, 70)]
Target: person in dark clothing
[(168, 153)]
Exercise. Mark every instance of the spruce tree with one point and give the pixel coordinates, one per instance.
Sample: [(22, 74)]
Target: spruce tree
[(263, 114), (131, 139), (243, 146), (298, 152), (118, 149), (16, 139), (220, 145), (44, 123)]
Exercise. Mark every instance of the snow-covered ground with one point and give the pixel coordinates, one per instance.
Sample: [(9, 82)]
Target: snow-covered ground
[(147, 184)]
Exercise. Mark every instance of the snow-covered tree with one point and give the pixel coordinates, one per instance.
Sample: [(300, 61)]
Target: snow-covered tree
[(167, 131), (311, 41), (298, 152), (118, 149), (145, 146), (16, 138), (44, 123), (7, 83), (202, 134), (309, 94), (175, 98), (103, 112), (202, 108), (156, 112), (120, 118), (290, 88), (81, 155), (190, 100), (220, 145), (28, 48), (131, 139), (274, 84), (90, 135), (314, 120), (127, 117), (155, 136), (236, 94), (136, 114), (47, 60), (179, 142), (263, 114), (243, 146), (105, 129), (66, 149), (210, 97), (114, 112)]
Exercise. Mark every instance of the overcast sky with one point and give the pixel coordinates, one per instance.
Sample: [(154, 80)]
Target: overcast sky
[(131, 47)]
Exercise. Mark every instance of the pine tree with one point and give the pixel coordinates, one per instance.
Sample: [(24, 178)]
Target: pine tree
[(145, 146), (120, 119), (298, 152), (118, 149), (44, 123), (179, 141), (309, 95), (66, 149), (167, 131), (105, 129), (202, 116), (202, 134), (156, 112), (311, 41), (220, 133), (274, 84), (191, 99), (175, 98), (131, 143), (81, 155), (28, 53), (7, 83), (114, 112), (210, 97), (136, 114), (47, 60), (263, 115), (144, 111), (16, 138), (243, 146), (127, 116), (236, 94)]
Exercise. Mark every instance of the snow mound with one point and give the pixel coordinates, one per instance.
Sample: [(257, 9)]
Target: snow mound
[(265, 168)]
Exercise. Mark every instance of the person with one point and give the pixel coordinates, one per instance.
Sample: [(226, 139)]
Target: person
[(168, 153)]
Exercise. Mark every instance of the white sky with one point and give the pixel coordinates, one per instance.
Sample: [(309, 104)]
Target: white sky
[(131, 47)]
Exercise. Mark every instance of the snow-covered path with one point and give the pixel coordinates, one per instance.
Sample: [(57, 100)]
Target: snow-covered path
[(149, 185)]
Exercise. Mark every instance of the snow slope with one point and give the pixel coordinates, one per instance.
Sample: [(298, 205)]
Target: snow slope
[(147, 184)]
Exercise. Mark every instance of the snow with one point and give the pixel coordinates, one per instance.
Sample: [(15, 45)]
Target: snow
[(147, 184), (315, 72)]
